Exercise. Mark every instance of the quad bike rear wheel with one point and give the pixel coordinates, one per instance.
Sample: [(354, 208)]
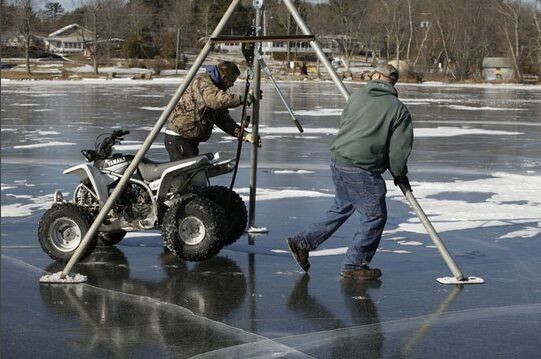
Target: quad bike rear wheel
[(61, 230), (235, 210), (194, 229)]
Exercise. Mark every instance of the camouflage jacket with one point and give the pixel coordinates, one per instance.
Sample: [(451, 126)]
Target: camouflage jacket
[(202, 106)]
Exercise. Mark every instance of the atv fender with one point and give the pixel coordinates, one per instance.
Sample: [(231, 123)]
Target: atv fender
[(99, 181), (177, 174)]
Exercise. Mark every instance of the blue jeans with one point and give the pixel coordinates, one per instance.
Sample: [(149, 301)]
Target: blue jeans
[(356, 190)]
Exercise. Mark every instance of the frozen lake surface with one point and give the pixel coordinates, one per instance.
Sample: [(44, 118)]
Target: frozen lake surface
[(475, 169)]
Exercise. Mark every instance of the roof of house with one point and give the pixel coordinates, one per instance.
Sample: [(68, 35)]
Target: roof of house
[(67, 28), (497, 62)]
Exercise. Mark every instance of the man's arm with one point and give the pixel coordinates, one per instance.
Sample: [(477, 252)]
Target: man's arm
[(400, 145), (227, 124), (218, 99)]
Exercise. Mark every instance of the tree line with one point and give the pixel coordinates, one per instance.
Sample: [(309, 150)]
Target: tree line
[(451, 36)]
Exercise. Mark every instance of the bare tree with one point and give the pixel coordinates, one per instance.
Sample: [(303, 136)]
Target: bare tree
[(427, 27), (393, 25), (512, 14), (445, 51), (206, 15), (348, 15), (181, 17), (410, 38), (93, 8), (536, 15), (111, 20), (27, 19)]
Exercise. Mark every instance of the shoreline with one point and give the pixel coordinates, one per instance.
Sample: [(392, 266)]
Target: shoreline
[(179, 79)]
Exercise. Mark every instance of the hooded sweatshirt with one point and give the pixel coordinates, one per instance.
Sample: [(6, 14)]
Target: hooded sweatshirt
[(375, 131), (214, 74)]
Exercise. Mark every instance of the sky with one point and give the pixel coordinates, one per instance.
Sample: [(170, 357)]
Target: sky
[(72, 4)]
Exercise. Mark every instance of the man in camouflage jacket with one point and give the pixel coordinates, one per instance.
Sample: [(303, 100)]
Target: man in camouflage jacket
[(205, 104)]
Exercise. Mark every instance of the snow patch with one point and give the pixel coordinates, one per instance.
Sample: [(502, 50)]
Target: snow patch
[(443, 131), (107, 69), (152, 108), (6, 186), (328, 252), (397, 251), (292, 171), (142, 234), (265, 194), (410, 243), (512, 199), (483, 108), (42, 133), (318, 112), (458, 131), (527, 232), (49, 94), (24, 104), (45, 144), (136, 147)]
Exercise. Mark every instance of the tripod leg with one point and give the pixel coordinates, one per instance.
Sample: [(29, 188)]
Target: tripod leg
[(268, 72)]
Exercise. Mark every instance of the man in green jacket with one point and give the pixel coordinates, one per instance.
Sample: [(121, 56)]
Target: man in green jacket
[(375, 134)]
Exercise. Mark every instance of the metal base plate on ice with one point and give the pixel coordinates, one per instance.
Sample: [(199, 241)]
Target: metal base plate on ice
[(255, 230), (57, 278), (466, 280)]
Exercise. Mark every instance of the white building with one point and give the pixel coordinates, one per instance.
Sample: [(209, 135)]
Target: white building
[(498, 68), (69, 39), (275, 49)]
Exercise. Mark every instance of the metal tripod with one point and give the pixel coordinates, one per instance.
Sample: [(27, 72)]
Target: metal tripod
[(258, 5)]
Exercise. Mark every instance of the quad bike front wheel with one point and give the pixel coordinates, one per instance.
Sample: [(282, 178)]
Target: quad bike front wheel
[(234, 207), (195, 229), (61, 230)]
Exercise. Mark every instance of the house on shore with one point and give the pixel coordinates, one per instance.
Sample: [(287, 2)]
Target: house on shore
[(69, 39), (498, 69), (298, 50)]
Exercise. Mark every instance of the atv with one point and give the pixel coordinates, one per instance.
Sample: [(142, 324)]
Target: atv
[(196, 219)]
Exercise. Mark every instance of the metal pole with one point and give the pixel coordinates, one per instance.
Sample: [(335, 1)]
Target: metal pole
[(319, 52), (176, 58), (433, 234), (150, 138), (255, 120)]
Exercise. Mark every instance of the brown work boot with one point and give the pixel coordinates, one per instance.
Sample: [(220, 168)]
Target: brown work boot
[(363, 273), (300, 255)]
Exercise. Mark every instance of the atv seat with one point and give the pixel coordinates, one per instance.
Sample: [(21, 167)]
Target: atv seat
[(151, 170)]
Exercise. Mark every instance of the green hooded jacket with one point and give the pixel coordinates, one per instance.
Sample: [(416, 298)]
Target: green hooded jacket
[(375, 130)]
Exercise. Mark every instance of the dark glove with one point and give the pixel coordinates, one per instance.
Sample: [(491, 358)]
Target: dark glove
[(404, 181)]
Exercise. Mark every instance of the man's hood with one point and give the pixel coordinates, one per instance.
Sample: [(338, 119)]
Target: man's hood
[(214, 74), (378, 88)]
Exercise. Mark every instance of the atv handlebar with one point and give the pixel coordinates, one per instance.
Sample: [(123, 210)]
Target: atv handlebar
[(105, 148), (119, 133)]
